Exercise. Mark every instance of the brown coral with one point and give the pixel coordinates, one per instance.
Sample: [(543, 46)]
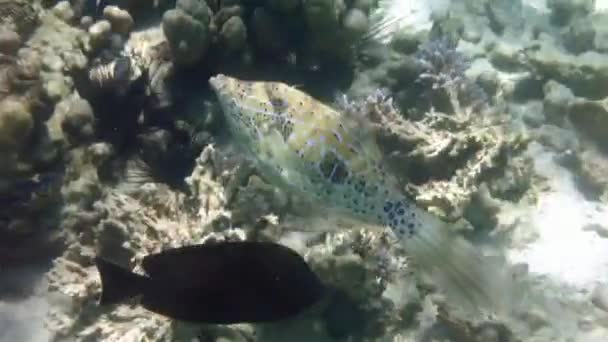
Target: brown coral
[(19, 15), (442, 157), (20, 78)]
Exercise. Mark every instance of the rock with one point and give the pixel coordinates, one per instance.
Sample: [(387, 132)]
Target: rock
[(591, 119), (403, 42), (471, 34), (86, 22), (187, 30), (16, 123), (562, 11), (592, 179), (601, 231), (556, 102), (600, 27), (503, 13), (19, 15), (586, 74), (402, 69), (599, 297), (579, 36), (60, 51), (449, 28), (558, 139), (489, 81), (505, 56), (100, 152), (255, 199), (492, 332), (78, 123), (64, 11), (52, 63), (57, 86), (226, 13), (100, 32), (234, 34), (525, 87), (355, 22), (120, 19), (9, 41), (531, 112)]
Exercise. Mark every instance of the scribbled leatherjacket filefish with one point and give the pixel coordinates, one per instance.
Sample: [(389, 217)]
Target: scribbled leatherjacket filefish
[(314, 150)]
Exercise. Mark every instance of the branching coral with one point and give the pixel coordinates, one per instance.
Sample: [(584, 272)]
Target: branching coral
[(444, 70), (442, 158), (444, 66)]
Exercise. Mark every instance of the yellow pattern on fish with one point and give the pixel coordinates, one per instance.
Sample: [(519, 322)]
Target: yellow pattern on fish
[(301, 143)]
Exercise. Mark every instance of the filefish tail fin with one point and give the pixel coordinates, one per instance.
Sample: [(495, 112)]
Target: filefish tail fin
[(481, 285), (117, 283)]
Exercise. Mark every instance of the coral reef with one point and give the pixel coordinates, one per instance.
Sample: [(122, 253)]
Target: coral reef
[(490, 113), (119, 226), (444, 165), (187, 30), (20, 16)]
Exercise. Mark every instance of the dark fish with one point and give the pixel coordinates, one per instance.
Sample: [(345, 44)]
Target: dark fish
[(220, 283)]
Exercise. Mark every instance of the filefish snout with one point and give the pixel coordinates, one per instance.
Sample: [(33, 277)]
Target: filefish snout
[(225, 87), (218, 81), (245, 105), (221, 83)]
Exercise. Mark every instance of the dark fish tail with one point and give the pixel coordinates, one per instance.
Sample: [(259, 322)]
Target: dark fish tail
[(117, 283)]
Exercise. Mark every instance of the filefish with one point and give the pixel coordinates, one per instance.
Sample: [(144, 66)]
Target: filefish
[(217, 283), (316, 152)]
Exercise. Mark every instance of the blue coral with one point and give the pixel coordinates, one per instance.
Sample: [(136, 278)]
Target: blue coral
[(443, 65)]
